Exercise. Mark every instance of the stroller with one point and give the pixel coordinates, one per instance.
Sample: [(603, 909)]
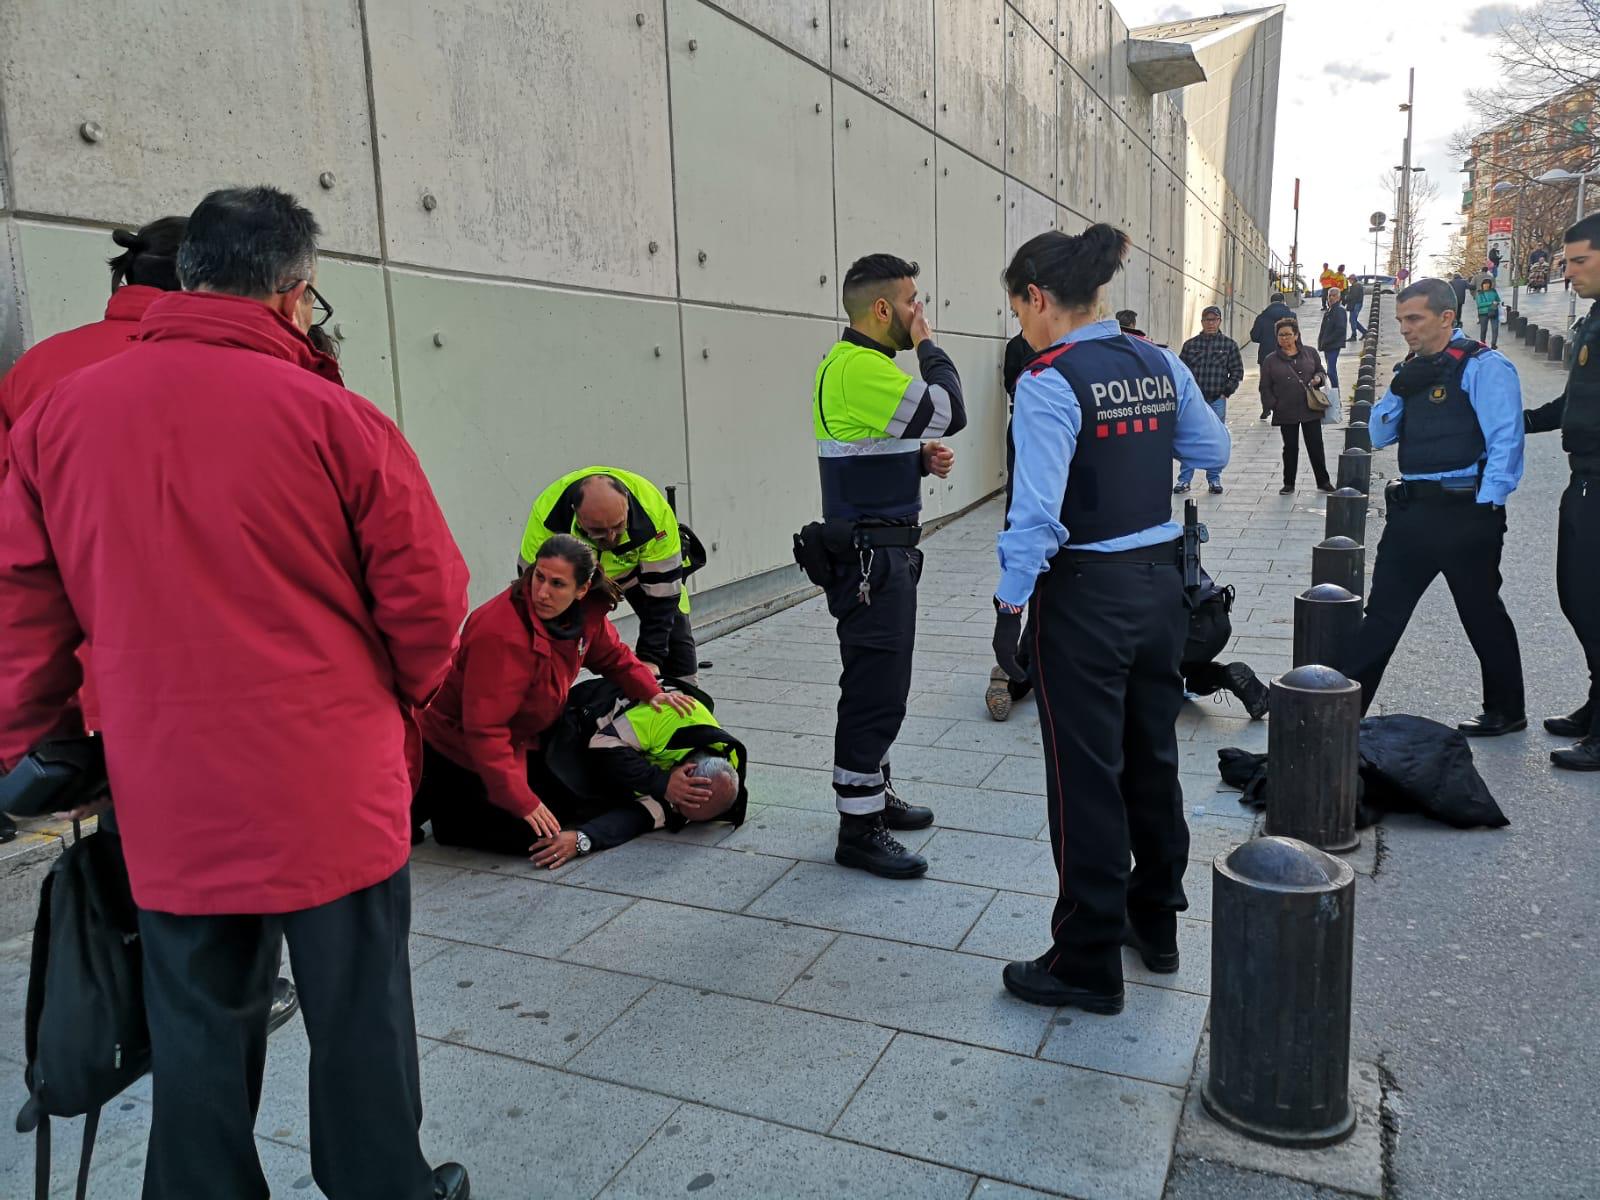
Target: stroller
[(1539, 276)]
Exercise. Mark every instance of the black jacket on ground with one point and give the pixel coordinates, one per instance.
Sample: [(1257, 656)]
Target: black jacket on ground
[(1263, 331)]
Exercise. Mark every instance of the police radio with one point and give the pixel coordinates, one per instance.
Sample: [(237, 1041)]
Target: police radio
[(1194, 533)]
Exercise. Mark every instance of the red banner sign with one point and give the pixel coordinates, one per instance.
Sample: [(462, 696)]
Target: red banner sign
[(1499, 225)]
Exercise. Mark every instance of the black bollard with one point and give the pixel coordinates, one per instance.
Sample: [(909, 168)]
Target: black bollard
[(1312, 757), (1358, 434), (1282, 944), (1326, 619), (1365, 392), (1355, 468), (1361, 411), (1541, 342), (1347, 515), (1557, 344), (1341, 561)]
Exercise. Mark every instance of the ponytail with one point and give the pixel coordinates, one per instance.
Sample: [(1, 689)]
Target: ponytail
[(1071, 269), (580, 556), (149, 255)]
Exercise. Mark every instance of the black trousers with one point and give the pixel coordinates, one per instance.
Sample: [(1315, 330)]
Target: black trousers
[(207, 985), (1578, 577), (456, 801), (682, 656), (1311, 431), (1107, 635), (876, 640), (1423, 538)]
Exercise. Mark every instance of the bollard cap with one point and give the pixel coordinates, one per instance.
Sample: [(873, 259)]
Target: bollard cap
[(1328, 593), (1339, 542), (1284, 864), (1356, 450), (1349, 493), (1356, 425), (1313, 677)]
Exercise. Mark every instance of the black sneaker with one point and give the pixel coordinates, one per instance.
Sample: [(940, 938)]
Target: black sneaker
[(1215, 489), (1179, 489), (897, 814), (1247, 686), (450, 1182), (864, 843), (1286, 491), (285, 1003)]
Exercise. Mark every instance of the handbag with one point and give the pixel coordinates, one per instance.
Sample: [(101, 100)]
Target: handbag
[(1316, 399)]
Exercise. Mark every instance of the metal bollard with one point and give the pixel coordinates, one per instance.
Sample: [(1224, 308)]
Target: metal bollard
[(1341, 561), (1527, 333), (1355, 466), (1347, 515), (1365, 392), (1282, 945), (1541, 342), (1557, 344), (1359, 435), (1326, 620), (1312, 757)]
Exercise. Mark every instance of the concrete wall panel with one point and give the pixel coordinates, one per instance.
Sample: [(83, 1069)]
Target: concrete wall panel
[(802, 25), (754, 173), (969, 76), (1136, 190), (971, 243), (753, 461), (1136, 294), (513, 399), (1086, 39), (1028, 213), (360, 326), (1119, 81), (1030, 106), (62, 271), (1077, 132), (1041, 14), (886, 47), (1111, 173), (175, 123), (561, 173), (884, 165)]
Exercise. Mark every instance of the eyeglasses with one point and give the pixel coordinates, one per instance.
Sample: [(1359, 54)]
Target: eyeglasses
[(320, 308)]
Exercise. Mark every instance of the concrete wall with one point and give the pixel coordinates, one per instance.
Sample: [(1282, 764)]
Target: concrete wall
[(560, 233)]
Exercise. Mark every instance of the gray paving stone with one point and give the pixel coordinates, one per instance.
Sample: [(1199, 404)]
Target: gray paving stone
[(482, 861), (745, 956), (1017, 1119), (1155, 1037), (923, 911), (117, 1177), (718, 1154), (937, 992), (994, 737), (425, 876), (987, 860), (734, 685), (124, 1126), (525, 1131), (514, 1004), (700, 833), (801, 834), (793, 787), (968, 705), (512, 914), (982, 810), (1212, 833), (753, 1058), (745, 715), (709, 877), (993, 1189), (1194, 949)]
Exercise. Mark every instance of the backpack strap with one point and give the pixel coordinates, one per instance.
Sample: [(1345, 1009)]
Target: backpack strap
[(91, 1126), (41, 1160)]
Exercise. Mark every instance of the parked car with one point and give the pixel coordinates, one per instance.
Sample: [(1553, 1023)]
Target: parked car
[(1380, 283)]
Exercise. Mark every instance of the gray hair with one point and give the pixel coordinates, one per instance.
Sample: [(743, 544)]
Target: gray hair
[(248, 242), (1439, 296), (712, 767)]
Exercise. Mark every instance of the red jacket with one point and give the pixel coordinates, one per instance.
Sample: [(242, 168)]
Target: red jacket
[(266, 581), (510, 682)]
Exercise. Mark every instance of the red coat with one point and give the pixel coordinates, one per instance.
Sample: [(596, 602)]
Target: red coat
[(509, 683), (266, 581)]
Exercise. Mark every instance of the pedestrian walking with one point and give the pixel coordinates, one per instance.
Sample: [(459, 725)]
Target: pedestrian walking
[(1353, 300), (1576, 412), (268, 587), (1330, 342), (1101, 567), (1325, 281), (1213, 359), (1488, 298), (869, 418), (1291, 382), (1455, 408), (1263, 332), (1459, 285), (1008, 678)]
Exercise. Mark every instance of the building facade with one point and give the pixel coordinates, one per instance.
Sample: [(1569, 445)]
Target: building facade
[(612, 232)]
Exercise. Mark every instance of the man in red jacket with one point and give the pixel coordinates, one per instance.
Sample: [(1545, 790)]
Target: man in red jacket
[(268, 586)]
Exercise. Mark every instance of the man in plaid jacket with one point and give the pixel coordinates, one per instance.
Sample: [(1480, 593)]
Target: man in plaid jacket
[(1213, 357)]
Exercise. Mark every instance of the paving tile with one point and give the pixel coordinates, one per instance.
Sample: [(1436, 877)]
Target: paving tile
[(1155, 1037), (700, 1150), (1212, 833), (525, 1130), (425, 876), (1194, 949), (708, 877), (1014, 814), (937, 992), (923, 911), (1017, 1119), (994, 737), (745, 956), (482, 861), (793, 787), (810, 750), (734, 685), (700, 833), (993, 1189), (759, 1059), (513, 1004), (1013, 926), (802, 834), (124, 1127), (1018, 773), (967, 705), (512, 914), (1009, 863)]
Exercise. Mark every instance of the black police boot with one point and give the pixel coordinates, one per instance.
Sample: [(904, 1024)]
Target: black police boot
[(450, 1182), (1247, 686), (1489, 724), (1585, 756), (285, 1003), (1574, 725), (897, 814), (1155, 939), (1028, 980), (864, 843)]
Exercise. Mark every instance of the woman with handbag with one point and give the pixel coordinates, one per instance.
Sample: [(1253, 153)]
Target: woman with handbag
[(1292, 380)]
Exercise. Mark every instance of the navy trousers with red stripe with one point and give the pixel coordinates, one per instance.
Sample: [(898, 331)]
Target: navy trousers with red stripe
[(1107, 634)]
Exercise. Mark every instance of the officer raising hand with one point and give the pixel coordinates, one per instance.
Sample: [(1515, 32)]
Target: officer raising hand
[(1091, 544)]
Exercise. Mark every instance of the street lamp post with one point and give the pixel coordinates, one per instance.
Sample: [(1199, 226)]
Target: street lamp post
[(1403, 216), (1505, 185), (1560, 176)]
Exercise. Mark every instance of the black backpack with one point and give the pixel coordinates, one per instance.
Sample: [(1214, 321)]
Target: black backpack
[(85, 1034), (1210, 625)]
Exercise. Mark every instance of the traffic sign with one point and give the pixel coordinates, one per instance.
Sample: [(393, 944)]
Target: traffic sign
[(1377, 219)]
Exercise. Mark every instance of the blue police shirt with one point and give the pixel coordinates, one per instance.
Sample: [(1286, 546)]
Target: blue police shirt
[(1491, 384), (1045, 425)]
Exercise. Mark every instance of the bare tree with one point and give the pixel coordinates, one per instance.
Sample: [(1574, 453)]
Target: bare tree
[(1405, 245)]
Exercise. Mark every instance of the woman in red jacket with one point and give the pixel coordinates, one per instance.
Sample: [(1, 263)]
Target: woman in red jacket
[(519, 656)]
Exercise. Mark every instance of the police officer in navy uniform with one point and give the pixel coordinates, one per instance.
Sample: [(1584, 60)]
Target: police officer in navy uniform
[(1576, 412), (877, 429), (1455, 407), (1091, 543)]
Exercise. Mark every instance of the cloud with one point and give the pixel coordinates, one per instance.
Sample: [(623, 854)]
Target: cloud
[(1173, 12), (1354, 73), (1485, 21)]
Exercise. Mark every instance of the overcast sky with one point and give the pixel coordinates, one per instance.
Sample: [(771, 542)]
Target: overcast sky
[(1342, 80)]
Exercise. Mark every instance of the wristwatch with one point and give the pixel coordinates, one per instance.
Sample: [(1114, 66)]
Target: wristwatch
[(584, 844)]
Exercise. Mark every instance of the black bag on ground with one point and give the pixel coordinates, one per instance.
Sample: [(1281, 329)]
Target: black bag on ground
[(1412, 764), (85, 1036), (1210, 625)]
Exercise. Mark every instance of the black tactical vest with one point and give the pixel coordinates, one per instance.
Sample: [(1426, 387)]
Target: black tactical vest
[(1580, 421), (1120, 480), (1439, 429)]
